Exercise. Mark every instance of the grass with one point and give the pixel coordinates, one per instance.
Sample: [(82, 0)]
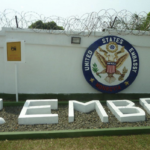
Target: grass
[(136, 142), (132, 142)]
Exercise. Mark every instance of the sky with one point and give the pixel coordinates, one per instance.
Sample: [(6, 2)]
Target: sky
[(67, 8)]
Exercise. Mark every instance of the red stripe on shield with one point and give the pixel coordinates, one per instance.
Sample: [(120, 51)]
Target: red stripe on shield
[(111, 68)]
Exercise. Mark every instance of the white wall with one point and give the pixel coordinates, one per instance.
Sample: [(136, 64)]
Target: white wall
[(54, 65)]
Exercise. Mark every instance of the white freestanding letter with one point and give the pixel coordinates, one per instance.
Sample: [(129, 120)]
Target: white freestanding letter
[(38, 112), (2, 121), (87, 107), (125, 111), (145, 102)]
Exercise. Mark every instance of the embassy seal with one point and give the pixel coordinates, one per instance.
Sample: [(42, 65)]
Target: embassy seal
[(110, 64)]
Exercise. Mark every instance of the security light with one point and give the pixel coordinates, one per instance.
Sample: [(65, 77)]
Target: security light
[(75, 40)]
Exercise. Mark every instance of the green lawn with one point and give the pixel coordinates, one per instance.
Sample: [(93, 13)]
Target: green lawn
[(136, 142)]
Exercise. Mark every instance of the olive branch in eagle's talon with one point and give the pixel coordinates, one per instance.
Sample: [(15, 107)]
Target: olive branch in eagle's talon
[(95, 69)]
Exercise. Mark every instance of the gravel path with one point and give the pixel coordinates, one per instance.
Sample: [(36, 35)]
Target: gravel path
[(82, 121)]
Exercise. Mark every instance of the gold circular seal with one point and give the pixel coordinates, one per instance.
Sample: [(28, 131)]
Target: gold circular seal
[(112, 47)]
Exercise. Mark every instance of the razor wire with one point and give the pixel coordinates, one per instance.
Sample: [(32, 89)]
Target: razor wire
[(110, 21)]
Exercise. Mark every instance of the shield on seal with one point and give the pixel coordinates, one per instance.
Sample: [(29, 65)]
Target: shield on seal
[(111, 67)]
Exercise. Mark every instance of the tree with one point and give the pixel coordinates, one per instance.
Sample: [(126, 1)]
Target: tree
[(135, 23), (146, 23), (49, 25)]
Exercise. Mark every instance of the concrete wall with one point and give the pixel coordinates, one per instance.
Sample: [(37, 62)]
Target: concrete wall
[(54, 65)]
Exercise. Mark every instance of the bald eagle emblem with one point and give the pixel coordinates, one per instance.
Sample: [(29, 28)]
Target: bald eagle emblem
[(111, 60)]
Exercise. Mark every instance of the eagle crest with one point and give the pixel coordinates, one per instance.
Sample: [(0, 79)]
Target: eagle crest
[(111, 64)]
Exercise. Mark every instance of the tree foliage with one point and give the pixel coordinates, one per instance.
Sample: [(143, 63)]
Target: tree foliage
[(48, 25), (136, 22), (146, 23)]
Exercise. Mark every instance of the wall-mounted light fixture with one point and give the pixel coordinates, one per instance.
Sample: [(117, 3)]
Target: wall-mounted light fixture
[(75, 40)]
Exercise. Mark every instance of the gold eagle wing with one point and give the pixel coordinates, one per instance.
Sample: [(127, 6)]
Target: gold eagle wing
[(121, 60), (101, 59)]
